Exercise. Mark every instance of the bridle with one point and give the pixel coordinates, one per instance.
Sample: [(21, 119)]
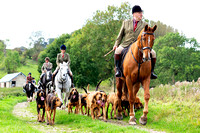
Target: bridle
[(141, 50)]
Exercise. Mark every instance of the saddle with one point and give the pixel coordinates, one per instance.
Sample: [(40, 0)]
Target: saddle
[(122, 57)]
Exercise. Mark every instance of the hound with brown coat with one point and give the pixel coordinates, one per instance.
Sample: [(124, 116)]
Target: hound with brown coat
[(94, 103), (73, 101), (50, 106)]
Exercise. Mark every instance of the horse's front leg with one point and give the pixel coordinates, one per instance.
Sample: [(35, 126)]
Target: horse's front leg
[(132, 90), (58, 91), (66, 95), (145, 84), (119, 84)]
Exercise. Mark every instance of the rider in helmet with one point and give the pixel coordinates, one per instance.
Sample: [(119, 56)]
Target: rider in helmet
[(29, 78), (46, 66), (129, 33), (62, 57)]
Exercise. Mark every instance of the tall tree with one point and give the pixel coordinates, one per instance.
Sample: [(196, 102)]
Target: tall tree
[(12, 61), (175, 61), (37, 41)]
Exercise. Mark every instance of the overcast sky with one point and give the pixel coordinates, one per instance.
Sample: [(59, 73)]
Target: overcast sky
[(19, 18)]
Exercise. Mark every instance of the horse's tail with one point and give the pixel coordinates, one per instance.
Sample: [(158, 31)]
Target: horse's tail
[(84, 89), (97, 87)]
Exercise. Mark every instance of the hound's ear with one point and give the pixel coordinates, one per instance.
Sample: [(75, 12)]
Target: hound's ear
[(38, 93), (53, 103), (94, 99), (78, 93), (154, 28), (146, 27), (70, 94)]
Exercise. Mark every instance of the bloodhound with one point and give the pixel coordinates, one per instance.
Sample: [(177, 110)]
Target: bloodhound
[(40, 100), (50, 106), (73, 101)]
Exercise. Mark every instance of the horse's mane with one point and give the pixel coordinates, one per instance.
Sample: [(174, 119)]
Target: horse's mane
[(140, 35)]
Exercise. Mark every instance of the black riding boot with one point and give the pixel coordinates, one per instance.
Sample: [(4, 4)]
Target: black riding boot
[(117, 64), (72, 86), (153, 62), (53, 79)]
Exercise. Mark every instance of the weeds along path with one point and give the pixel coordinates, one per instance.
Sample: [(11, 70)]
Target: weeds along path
[(20, 110)]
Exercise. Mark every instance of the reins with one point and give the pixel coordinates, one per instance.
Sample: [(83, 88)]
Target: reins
[(141, 50)]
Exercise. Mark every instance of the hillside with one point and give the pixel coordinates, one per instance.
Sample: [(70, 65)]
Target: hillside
[(31, 66)]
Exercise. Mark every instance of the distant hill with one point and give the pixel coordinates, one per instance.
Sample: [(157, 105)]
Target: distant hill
[(31, 66)]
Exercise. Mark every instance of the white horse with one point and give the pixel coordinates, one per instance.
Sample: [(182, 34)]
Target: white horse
[(63, 83)]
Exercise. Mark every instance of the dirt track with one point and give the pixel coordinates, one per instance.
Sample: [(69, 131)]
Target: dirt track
[(20, 110)]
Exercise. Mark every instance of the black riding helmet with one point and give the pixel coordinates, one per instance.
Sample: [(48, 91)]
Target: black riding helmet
[(63, 47)]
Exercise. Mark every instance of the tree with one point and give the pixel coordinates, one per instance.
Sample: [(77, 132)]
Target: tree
[(12, 61), (52, 50), (175, 61), (2, 54), (37, 41)]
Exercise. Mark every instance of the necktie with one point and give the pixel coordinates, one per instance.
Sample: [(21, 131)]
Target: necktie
[(135, 26), (63, 56)]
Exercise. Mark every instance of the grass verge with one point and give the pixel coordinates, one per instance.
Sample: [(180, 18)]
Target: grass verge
[(9, 123)]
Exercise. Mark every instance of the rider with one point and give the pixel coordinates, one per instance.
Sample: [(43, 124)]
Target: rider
[(129, 33), (29, 78), (46, 66), (62, 57)]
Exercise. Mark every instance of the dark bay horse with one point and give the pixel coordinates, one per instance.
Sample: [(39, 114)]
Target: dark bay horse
[(136, 70), (46, 81), (29, 91)]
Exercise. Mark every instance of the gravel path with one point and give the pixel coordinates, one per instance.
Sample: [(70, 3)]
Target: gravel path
[(20, 110)]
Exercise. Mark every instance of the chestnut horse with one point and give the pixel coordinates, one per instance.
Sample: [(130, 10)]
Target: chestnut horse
[(136, 70)]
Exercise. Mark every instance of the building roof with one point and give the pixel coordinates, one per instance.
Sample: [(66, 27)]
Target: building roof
[(11, 76)]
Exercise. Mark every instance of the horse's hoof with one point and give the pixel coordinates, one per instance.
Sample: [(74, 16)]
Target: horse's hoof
[(119, 117), (143, 121), (43, 120), (132, 120), (51, 123)]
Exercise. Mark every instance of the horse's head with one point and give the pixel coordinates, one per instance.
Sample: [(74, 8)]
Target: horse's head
[(64, 67), (146, 39)]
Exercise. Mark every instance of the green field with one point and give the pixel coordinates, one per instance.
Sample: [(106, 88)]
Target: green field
[(171, 109), (31, 66)]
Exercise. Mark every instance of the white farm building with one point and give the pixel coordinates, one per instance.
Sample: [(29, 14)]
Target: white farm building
[(13, 80)]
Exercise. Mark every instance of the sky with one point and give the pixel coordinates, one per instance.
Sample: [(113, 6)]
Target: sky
[(19, 18)]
